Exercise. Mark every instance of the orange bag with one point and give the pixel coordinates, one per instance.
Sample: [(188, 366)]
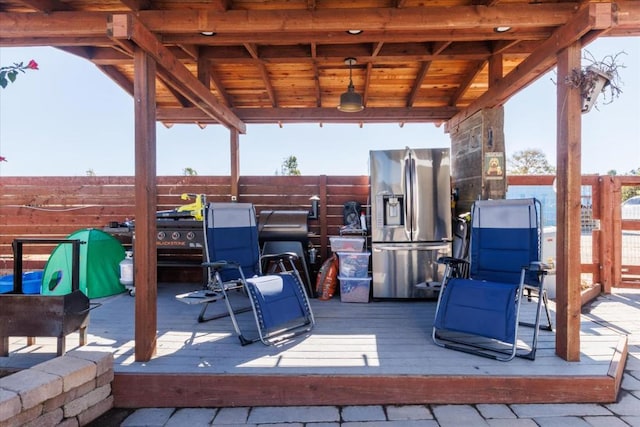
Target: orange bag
[(327, 279)]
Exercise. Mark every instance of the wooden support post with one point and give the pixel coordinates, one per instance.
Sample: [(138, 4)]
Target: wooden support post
[(606, 229), (495, 69), (616, 232), (322, 216), (234, 150), (145, 252), (568, 301)]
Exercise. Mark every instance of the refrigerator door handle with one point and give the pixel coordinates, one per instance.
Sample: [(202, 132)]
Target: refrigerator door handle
[(408, 200), (414, 196), (404, 247)]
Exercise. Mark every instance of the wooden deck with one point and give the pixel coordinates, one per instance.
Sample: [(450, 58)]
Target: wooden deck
[(376, 353)]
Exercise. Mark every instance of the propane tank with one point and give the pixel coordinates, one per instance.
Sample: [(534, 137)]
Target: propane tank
[(126, 269)]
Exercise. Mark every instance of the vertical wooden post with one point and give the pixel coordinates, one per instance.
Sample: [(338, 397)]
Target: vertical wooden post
[(145, 256), (234, 150), (606, 229), (616, 231), (322, 216), (568, 302), (495, 69)]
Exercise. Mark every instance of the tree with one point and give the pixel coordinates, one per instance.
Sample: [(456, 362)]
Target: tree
[(189, 172), (290, 166), (531, 161), (630, 191)]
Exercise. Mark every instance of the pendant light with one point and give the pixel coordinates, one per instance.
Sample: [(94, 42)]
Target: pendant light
[(350, 101)]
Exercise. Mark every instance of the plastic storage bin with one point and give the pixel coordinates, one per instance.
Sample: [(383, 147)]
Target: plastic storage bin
[(31, 283), (346, 244), (354, 289), (353, 264)]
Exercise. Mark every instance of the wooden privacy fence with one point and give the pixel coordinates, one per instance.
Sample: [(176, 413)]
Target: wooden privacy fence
[(53, 207)]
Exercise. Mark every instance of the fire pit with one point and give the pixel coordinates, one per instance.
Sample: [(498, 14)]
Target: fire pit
[(40, 315)]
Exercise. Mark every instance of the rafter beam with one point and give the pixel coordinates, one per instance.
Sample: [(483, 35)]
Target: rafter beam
[(315, 115), (264, 73), (466, 83), (136, 5), (219, 86), (127, 27), (592, 16), (46, 6), (422, 73), (120, 79), (316, 75)]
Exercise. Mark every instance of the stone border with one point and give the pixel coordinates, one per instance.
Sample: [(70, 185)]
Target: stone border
[(70, 390)]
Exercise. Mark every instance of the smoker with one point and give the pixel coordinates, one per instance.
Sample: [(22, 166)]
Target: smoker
[(43, 315), (410, 220), (286, 231)]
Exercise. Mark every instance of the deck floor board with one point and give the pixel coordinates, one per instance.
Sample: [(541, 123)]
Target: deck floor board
[(378, 339)]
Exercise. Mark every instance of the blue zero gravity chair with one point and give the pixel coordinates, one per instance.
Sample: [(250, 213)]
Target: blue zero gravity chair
[(279, 303), (481, 314)]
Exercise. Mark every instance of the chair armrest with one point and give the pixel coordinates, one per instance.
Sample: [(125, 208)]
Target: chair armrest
[(221, 264), (449, 260), (278, 257), (537, 266)]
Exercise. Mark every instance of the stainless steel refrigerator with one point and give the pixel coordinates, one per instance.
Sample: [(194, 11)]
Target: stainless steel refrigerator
[(410, 221)]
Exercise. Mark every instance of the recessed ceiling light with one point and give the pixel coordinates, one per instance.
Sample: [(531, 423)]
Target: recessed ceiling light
[(354, 32), (208, 33), (502, 29)]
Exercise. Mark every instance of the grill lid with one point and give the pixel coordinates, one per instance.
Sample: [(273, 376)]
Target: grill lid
[(283, 226)]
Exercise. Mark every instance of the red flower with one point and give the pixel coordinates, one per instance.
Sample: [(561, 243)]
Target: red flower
[(3, 159), (33, 65)]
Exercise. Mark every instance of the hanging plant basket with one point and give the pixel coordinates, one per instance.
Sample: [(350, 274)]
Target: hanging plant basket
[(596, 78), (596, 81)]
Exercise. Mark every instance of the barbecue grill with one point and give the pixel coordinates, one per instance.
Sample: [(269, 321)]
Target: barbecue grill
[(286, 231), (290, 226)]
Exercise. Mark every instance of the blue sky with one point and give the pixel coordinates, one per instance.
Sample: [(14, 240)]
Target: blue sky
[(68, 117)]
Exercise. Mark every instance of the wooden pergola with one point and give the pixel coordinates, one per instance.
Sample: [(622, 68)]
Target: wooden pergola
[(237, 62)]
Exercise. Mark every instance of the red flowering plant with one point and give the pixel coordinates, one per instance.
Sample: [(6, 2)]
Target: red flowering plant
[(10, 72)]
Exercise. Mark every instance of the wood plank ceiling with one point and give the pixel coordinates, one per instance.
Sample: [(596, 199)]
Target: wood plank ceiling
[(283, 61)]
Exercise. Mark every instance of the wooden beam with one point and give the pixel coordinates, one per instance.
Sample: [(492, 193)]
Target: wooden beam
[(219, 86), (606, 229), (468, 79), (45, 6), (568, 202), (627, 16), (191, 50), (174, 89), (137, 5), (367, 19), (422, 74), (145, 276), (109, 70), (128, 27), (495, 69), (335, 37), (120, 79), (251, 22), (234, 176), (314, 115), (591, 16), (271, 93)]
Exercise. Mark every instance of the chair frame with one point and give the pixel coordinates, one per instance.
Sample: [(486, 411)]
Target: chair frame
[(217, 288), (485, 346)]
